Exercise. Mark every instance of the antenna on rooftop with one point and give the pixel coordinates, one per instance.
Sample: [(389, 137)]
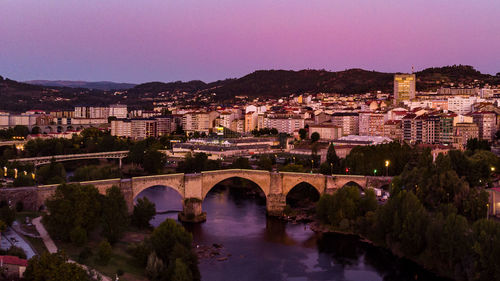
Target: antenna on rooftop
[(412, 69)]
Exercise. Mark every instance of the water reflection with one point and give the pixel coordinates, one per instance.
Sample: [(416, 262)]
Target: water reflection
[(261, 248)]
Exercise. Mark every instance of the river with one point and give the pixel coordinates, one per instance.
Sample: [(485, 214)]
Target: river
[(261, 248)]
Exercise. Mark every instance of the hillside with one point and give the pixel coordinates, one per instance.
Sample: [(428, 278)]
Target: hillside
[(20, 97), (101, 85)]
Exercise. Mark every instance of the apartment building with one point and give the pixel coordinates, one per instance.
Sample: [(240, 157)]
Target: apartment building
[(371, 124), (463, 132), (197, 121), (486, 121), (284, 125), (349, 121)]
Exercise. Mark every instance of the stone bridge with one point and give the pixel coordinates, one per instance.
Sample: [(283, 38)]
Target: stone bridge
[(193, 188)]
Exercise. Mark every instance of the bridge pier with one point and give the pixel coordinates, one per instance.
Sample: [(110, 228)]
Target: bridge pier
[(191, 211), (275, 204)]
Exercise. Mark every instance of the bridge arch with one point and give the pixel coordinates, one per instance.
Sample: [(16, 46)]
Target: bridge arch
[(210, 179), (356, 184), (342, 180), (290, 180), (302, 195), (174, 181)]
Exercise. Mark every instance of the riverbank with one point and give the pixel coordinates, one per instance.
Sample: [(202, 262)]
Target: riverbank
[(314, 224)]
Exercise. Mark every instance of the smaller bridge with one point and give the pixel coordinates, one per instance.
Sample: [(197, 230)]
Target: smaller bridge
[(37, 161)]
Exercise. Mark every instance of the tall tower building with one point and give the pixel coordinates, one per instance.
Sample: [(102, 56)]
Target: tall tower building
[(404, 87)]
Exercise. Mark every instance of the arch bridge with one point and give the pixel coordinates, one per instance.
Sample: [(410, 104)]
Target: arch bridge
[(193, 188)]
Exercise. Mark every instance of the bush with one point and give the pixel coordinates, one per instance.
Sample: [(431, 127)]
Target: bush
[(144, 211), (84, 255), (104, 252), (16, 251), (78, 236)]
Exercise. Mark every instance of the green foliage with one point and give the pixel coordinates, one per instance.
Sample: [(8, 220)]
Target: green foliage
[(315, 137), (241, 163), (144, 211), (14, 251), (487, 248), (115, 218), (104, 252), (171, 242), (89, 173), (154, 161), (265, 163), (264, 131), (23, 180), (293, 168), (78, 236), (475, 144), (72, 206), (331, 157), (53, 173), (17, 131), (198, 163), (362, 160), (53, 267), (303, 134), (7, 214)]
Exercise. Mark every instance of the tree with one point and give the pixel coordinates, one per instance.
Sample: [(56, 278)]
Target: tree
[(154, 161), (54, 173), (170, 241), (475, 144), (54, 267), (72, 206), (315, 137), (24, 180), (3, 227), (332, 158), (241, 163), (144, 211), (115, 219), (7, 214), (302, 134), (265, 163), (104, 252)]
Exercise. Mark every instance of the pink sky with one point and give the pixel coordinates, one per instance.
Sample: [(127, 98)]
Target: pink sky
[(166, 40)]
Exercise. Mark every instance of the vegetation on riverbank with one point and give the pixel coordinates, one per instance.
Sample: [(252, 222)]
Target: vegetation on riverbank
[(94, 230), (435, 215)]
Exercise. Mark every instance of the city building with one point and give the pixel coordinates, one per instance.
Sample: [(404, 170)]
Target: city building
[(404, 88), (326, 131), (349, 121)]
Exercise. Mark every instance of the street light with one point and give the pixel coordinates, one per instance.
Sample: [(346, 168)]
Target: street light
[(387, 167), (331, 169), (374, 172), (492, 169), (487, 211), (5, 171), (312, 165)]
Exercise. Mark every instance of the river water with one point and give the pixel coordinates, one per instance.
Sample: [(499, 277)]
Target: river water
[(261, 248)]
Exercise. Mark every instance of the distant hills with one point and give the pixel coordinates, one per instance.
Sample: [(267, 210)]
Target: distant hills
[(101, 85), (52, 95)]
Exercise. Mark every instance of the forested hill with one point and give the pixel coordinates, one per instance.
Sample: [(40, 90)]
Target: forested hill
[(20, 97), (278, 83)]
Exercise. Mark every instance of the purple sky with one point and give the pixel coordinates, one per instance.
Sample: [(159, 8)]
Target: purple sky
[(166, 40)]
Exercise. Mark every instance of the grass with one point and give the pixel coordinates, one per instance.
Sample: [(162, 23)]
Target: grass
[(120, 259)]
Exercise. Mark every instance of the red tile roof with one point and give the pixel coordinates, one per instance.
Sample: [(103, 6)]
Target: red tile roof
[(13, 260)]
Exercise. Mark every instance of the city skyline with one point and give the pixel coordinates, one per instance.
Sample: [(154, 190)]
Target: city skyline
[(157, 41)]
